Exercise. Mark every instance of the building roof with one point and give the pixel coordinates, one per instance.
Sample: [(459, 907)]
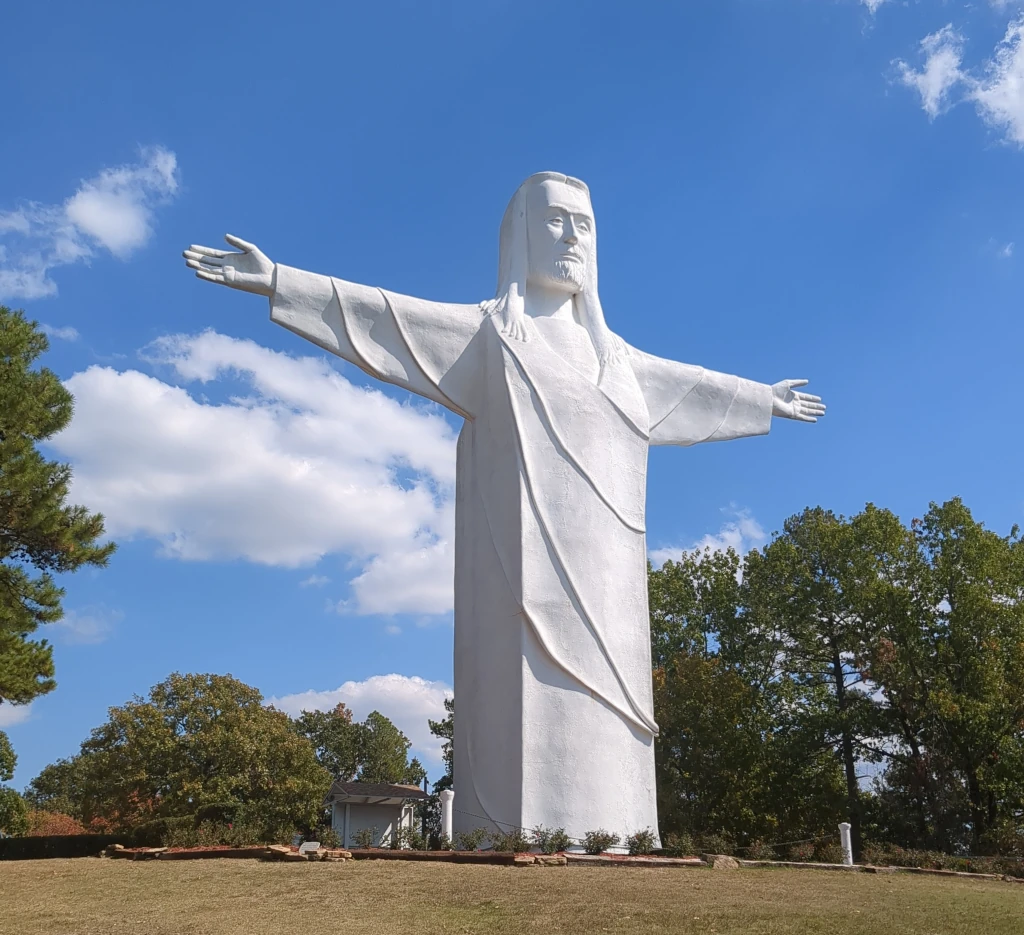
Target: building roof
[(374, 790)]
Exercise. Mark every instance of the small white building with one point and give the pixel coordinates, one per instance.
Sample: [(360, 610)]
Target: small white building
[(382, 806)]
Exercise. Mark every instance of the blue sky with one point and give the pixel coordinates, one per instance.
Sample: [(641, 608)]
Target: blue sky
[(827, 189)]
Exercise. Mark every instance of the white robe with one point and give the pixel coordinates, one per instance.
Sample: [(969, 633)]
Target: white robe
[(555, 718)]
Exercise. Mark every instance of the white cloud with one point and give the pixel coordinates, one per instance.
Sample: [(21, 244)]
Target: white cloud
[(943, 51), (996, 89), (112, 211), (11, 714), (999, 94), (314, 581), (742, 533), (409, 701), (86, 626), (66, 333), (1007, 251), (305, 465), (418, 581), (872, 5)]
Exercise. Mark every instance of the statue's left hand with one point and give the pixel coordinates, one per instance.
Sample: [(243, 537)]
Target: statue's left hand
[(789, 404), (251, 270)]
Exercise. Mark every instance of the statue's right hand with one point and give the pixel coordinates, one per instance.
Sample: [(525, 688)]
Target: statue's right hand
[(250, 270)]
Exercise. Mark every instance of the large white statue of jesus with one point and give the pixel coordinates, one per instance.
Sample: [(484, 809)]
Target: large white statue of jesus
[(555, 724)]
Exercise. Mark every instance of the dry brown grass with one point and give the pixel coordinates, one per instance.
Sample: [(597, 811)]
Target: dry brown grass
[(245, 897)]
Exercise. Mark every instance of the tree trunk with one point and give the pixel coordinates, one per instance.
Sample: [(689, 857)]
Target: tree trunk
[(979, 812), (849, 760)]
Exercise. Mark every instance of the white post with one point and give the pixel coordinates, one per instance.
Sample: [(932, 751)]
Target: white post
[(446, 812), (845, 843)]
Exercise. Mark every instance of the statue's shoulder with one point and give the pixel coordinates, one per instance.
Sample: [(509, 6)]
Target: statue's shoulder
[(454, 316)]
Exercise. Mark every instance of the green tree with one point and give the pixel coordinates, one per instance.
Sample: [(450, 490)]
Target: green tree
[(728, 757), (13, 810), (384, 753), (60, 788), (41, 535), (445, 730), (949, 659), (336, 739), (197, 741), (8, 758), (429, 811), (802, 593)]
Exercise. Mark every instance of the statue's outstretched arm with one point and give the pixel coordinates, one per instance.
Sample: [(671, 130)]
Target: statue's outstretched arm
[(421, 346), (688, 404)]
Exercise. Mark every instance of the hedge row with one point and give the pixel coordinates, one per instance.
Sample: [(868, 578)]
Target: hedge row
[(59, 845)]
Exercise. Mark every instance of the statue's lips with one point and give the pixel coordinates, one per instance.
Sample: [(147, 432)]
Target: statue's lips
[(571, 256)]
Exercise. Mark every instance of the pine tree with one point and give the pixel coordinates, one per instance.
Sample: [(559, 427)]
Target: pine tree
[(41, 535)]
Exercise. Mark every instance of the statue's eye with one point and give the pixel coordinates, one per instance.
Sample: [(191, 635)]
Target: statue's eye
[(555, 221), (585, 227)]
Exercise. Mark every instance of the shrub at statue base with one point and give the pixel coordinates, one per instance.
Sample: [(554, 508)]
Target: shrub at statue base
[(641, 842), (597, 842), (551, 840)]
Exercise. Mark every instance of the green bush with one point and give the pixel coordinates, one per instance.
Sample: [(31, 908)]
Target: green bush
[(440, 842), (759, 850), (470, 840), (712, 843), (641, 842), (597, 842), (159, 831), (514, 841), (220, 813), (828, 852), (550, 840), (365, 837), (679, 844), (802, 851), (890, 855), (416, 841), (327, 837)]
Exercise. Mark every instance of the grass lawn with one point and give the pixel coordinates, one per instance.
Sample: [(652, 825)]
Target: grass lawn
[(90, 896)]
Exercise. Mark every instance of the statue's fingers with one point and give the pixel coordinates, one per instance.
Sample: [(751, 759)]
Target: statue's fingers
[(209, 251), (210, 277), (203, 258), (807, 397), (793, 383), (204, 261), (801, 417), (241, 244), (198, 264)]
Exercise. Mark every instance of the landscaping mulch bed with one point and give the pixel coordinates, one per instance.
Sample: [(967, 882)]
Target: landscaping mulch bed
[(186, 853), (494, 858)]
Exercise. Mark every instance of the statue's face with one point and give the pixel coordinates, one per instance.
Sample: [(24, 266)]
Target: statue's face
[(560, 230)]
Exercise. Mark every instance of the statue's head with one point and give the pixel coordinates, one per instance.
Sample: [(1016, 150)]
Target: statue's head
[(548, 238), (548, 235)]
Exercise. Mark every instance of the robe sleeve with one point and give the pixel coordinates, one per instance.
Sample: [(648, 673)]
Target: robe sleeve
[(428, 348), (688, 404)]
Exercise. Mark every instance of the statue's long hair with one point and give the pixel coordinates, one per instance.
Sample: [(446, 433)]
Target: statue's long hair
[(513, 253)]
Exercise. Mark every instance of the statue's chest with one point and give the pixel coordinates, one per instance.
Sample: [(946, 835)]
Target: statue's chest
[(571, 342)]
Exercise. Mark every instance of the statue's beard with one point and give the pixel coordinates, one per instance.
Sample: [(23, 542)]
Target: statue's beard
[(569, 273)]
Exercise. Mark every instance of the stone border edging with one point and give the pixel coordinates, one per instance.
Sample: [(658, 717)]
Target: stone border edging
[(592, 860), (507, 859)]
